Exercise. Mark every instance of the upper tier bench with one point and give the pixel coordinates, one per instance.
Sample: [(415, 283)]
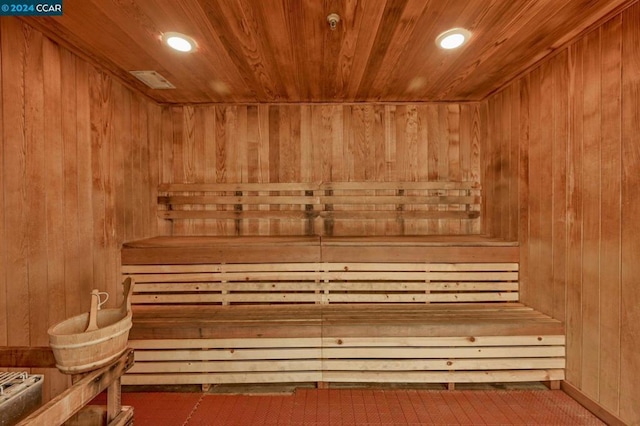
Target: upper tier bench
[(331, 308)]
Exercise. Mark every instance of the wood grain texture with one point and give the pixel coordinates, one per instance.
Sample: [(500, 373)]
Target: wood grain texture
[(574, 215), (15, 192), (591, 122), (53, 172), (277, 51), (630, 153), (72, 178), (578, 172), (611, 117), (329, 143), (352, 208), (4, 305)]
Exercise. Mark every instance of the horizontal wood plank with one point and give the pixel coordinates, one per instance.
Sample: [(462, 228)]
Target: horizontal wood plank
[(443, 377), (27, 357), (230, 378), (222, 354), (323, 204)]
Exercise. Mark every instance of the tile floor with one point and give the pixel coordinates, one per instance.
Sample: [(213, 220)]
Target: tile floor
[(360, 407)]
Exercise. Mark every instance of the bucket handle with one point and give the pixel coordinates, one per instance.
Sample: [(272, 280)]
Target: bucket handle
[(99, 295), (96, 304)]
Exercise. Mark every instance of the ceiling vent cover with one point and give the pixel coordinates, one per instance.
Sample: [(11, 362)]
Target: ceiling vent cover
[(153, 79)]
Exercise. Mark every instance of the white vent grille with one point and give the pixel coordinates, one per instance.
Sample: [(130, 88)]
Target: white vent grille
[(153, 79)]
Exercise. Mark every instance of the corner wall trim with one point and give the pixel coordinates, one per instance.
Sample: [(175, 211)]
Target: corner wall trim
[(598, 410)]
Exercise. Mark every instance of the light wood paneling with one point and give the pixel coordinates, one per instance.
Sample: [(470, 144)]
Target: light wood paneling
[(322, 143), (578, 178), (75, 172), (284, 51)]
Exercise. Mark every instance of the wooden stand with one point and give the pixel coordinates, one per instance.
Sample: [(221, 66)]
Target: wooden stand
[(70, 405)]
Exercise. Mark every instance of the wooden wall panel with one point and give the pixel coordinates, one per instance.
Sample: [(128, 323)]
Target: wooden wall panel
[(75, 180), (4, 303), (578, 177), (629, 290), (313, 143)]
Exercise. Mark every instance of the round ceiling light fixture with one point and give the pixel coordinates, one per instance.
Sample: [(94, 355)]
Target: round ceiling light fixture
[(453, 38), (179, 41)]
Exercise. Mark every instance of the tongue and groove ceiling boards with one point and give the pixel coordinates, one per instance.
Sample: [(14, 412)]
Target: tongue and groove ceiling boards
[(284, 50)]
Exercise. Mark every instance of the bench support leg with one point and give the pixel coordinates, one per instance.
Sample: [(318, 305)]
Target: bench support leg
[(553, 384), (451, 386), (114, 404), (323, 385), (206, 387)]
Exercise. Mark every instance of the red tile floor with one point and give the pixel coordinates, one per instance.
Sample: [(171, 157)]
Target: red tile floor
[(360, 407)]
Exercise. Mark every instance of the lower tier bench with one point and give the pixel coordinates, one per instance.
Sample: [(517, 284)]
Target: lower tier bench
[(422, 310), (369, 343)]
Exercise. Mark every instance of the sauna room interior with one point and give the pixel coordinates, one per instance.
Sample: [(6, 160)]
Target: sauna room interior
[(516, 153)]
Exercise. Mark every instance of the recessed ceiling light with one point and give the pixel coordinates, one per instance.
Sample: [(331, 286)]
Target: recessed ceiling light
[(453, 38), (179, 42)]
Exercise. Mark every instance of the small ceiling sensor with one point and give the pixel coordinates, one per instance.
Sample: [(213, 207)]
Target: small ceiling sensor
[(453, 38), (179, 42)]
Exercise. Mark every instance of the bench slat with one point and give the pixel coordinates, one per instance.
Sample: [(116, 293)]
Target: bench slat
[(399, 214), (349, 377), (306, 286), (227, 366), (329, 276), (443, 377), (246, 200), (310, 214), (315, 186), (349, 365), (227, 187), (232, 378), (220, 355), (321, 266), (446, 353), (347, 200), (249, 298), (234, 214), (144, 347)]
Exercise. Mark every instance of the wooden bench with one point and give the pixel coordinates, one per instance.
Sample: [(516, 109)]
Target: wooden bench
[(339, 300), (453, 320)]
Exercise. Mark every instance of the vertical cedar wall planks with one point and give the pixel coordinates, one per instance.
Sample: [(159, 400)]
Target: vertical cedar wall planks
[(314, 143), (578, 183), (81, 157), (75, 170), (630, 247)]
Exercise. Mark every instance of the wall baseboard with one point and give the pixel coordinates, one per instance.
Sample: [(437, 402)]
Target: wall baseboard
[(602, 413)]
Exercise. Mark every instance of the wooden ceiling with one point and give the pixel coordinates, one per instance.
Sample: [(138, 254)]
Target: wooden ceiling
[(284, 51)]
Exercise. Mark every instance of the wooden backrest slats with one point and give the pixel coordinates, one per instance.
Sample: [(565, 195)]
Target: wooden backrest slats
[(317, 200), (327, 202), (314, 186), (324, 283)]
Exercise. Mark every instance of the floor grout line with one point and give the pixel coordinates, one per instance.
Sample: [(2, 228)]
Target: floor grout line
[(193, 410)]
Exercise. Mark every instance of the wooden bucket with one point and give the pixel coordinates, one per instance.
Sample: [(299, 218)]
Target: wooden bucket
[(78, 349)]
